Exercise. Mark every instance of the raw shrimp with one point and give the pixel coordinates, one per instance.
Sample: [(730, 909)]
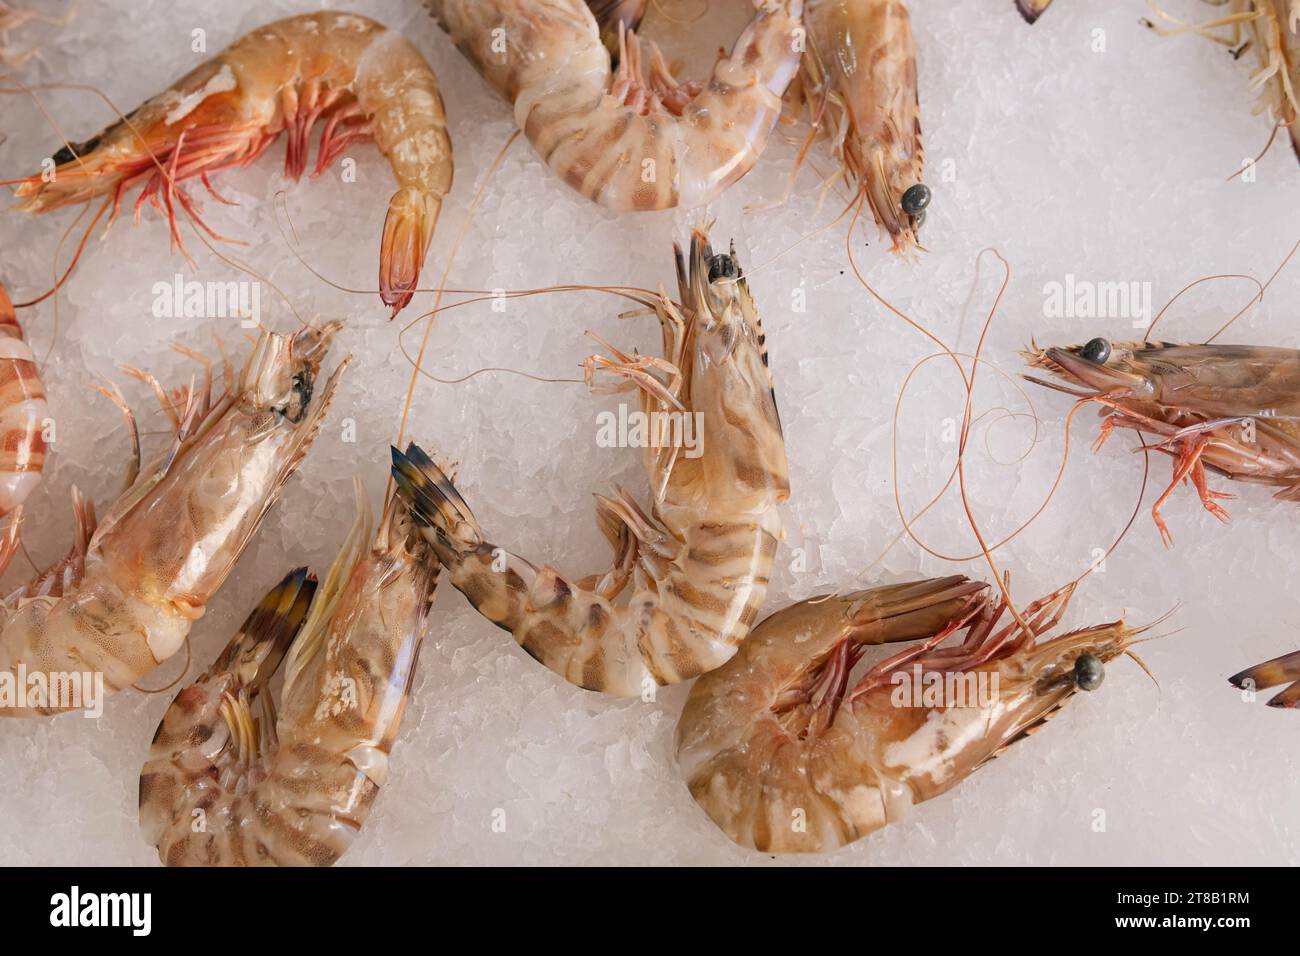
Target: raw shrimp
[(23, 412), (1274, 31), (126, 596), (1232, 408), (786, 755), (861, 69), (625, 140), (1031, 10), (295, 790), (368, 83), (699, 562)]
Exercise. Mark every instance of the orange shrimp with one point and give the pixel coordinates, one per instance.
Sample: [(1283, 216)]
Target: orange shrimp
[(368, 84)]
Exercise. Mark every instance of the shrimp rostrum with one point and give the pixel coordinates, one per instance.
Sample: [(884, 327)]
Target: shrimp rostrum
[(293, 785), (1231, 409), (697, 564), (366, 82), (629, 139), (787, 752), (125, 597)]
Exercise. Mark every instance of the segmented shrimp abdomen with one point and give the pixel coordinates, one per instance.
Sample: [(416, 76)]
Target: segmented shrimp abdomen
[(23, 412)]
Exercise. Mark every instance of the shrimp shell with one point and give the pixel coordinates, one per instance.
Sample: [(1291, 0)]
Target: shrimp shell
[(622, 140), (23, 413), (368, 83), (295, 790), (124, 599), (786, 756), (698, 562)]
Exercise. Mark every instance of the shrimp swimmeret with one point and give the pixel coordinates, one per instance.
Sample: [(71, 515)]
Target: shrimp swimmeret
[(295, 789), (368, 83), (787, 755), (125, 597), (623, 139), (698, 563)]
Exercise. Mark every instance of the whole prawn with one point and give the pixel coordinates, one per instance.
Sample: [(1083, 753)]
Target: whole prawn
[(623, 139), (132, 586), (859, 78), (366, 82), (1274, 31), (23, 413), (786, 755), (699, 561), (297, 788), (1234, 409)]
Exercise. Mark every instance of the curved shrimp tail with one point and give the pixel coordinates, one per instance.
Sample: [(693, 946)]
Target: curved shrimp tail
[(913, 610), (1031, 10), (1280, 670), (449, 525), (408, 230), (255, 653)]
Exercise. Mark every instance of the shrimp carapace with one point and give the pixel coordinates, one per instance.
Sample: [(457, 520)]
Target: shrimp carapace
[(366, 82), (698, 561), (293, 785), (125, 598), (629, 139), (24, 413), (859, 82), (787, 750)]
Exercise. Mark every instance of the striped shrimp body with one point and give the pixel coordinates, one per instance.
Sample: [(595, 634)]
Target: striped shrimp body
[(1233, 409), (861, 64), (698, 562), (23, 413), (125, 598), (1272, 27), (295, 789), (786, 754), (366, 82), (623, 139)]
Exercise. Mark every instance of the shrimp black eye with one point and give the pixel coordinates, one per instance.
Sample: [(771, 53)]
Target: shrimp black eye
[(1097, 351), (1089, 672), (722, 266), (915, 199)]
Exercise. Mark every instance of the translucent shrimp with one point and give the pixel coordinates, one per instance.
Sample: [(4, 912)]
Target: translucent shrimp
[(368, 83), (699, 562), (1272, 27), (1234, 409), (786, 755), (295, 789), (622, 139), (861, 68), (126, 596), (23, 413)]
